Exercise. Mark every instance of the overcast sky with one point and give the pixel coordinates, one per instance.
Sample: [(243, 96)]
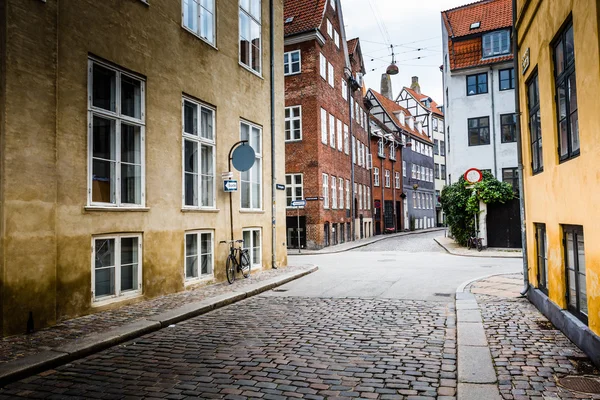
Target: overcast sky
[(409, 25)]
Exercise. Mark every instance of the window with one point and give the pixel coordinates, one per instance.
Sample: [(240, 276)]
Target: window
[(341, 190), (198, 17), (404, 168), (117, 269), (443, 171), (325, 191), (477, 84), (332, 131), (346, 138), (347, 194), (329, 28), (507, 79), (511, 175), (496, 43), (322, 66), (252, 242), (251, 186), (381, 148), (508, 128), (442, 148), (360, 197), (434, 123), (250, 34), (414, 196), (330, 75), (369, 160), (368, 198), (294, 190), (423, 175), (436, 144), (291, 63), (323, 126), (566, 94), (576, 273), (198, 155), (336, 38), (344, 87), (436, 168), (339, 135), (413, 171), (392, 151), (199, 250), (293, 123), (353, 149), (479, 131), (333, 192), (397, 179), (541, 241), (387, 178), (116, 132), (376, 176), (535, 125)]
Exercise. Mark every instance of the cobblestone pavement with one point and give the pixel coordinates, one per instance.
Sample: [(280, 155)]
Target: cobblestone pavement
[(15, 347), (274, 348), (422, 242), (528, 352)]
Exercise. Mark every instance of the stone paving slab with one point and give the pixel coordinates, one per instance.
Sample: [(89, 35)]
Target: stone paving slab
[(475, 364), (471, 334), (470, 391)]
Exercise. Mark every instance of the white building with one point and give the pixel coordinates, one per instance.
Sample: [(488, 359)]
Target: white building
[(479, 90)]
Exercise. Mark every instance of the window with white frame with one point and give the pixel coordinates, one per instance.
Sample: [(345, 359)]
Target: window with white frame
[(397, 179), (360, 153), (322, 66), (381, 148), (346, 140), (199, 250), (347, 194), (336, 38), (414, 196), (250, 34), (353, 149), (334, 202), (252, 242), (392, 151), (332, 131), (376, 176), (341, 190), (423, 177), (387, 178), (413, 171), (344, 86), (496, 43), (251, 180), (330, 75), (404, 168), (329, 29), (294, 189), (339, 135), (116, 113), (369, 160), (323, 126), (117, 266), (368, 198), (198, 155), (325, 191), (198, 17), (293, 123), (360, 196), (292, 63)]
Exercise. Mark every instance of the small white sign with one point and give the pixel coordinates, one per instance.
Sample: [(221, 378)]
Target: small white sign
[(227, 175), (298, 203)]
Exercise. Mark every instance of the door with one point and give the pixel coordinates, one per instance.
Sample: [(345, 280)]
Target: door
[(405, 207), (388, 214), (504, 225)]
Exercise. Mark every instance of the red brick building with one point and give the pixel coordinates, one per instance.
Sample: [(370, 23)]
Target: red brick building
[(326, 128)]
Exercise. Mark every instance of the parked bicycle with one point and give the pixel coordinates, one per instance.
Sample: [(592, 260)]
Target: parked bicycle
[(475, 242), (238, 260)]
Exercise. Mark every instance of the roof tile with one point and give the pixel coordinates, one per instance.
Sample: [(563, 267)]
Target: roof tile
[(306, 15)]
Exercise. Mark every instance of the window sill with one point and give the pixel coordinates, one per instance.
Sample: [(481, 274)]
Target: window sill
[(253, 72), (572, 156), (536, 172), (252, 211), (199, 37), (117, 299), (476, 94), (200, 210), (117, 209), (293, 73), (293, 140)]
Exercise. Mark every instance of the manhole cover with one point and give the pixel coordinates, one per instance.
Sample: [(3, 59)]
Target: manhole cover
[(442, 294), (580, 384)]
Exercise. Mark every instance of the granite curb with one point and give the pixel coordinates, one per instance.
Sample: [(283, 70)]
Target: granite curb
[(475, 254), (50, 358)]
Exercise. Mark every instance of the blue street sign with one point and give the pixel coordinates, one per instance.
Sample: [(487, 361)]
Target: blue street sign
[(298, 203), (230, 185)]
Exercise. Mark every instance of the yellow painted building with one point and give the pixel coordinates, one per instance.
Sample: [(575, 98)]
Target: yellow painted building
[(116, 120), (559, 82)]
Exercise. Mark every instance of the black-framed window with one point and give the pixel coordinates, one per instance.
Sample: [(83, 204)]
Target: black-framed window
[(443, 171), (442, 148), (541, 245), (437, 170), (477, 84), (566, 94), (479, 131), (436, 147), (535, 126), (507, 78), (511, 175), (508, 127), (574, 254)]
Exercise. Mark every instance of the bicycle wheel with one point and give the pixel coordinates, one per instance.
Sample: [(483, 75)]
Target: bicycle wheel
[(479, 245), (469, 244), (230, 269), (245, 264)]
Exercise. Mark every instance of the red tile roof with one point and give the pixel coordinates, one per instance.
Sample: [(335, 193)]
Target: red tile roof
[(352, 45), (491, 15), (306, 15), (420, 97), (392, 107)]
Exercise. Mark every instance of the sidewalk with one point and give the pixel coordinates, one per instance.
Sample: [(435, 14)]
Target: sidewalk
[(339, 248), (508, 350), (23, 355), (454, 248)]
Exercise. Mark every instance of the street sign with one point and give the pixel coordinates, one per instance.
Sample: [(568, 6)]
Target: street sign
[(313, 198), (473, 175), (227, 175), (279, 186), (298, 203), (230, 185), (243, 157)]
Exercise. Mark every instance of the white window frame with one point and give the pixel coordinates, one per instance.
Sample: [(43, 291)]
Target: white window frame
[(392, 151), (290, 64), (330, 75), (489, 39), (323, 66), (404, 168), (369, 161), (293, 186), (346, 140), (387, 178), (344, 86), (414, 196), (339, 135), (336, 38), (199, 21), (353, 150), (375, 176), (397, 179), (323, 126), (368, 198), (332, 131), (200, 141), (381, 148), (292, 119), (360, 196), (258, 158), (341, 194), (118, 296), (201, 276), (329, 28), (334, 200), (117, 119), (325, 190), (257, 20), (413, 171), (347, 194), (251, 248), (333, 4)]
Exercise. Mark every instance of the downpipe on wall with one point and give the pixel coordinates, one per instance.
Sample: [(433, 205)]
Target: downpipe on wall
[(273, 169)]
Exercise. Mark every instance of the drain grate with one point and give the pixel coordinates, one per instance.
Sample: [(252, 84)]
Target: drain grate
[(442, 294), (280, 290), (582, 384), (545, 325)]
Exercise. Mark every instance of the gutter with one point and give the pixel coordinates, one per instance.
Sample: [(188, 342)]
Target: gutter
[(273, 165), (493, 123)]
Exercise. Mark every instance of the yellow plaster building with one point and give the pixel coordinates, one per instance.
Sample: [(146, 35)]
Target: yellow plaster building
[(559, 82), (116, 120)]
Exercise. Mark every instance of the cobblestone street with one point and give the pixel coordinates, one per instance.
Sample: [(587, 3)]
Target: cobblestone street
[(274, 348), (420, 242)]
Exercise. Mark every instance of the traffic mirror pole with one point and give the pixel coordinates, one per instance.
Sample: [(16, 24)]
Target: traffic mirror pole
[(230, 193), (298, 215)]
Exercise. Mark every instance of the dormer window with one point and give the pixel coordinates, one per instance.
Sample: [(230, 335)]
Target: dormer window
[(496, 43), (475, 25)]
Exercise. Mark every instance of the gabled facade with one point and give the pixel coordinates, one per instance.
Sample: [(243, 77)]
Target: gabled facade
[(479, 81), (326, 128)]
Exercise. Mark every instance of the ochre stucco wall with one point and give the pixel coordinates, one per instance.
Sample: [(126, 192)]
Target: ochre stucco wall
[(47, 225), (564, 193)]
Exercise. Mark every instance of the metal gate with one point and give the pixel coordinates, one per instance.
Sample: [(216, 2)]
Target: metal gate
[(504, 225)]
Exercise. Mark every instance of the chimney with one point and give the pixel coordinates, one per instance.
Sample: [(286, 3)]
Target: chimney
[(415, 84), (386, 86)]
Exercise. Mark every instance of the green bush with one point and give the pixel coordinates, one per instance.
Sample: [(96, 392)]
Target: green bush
[(460, 204)]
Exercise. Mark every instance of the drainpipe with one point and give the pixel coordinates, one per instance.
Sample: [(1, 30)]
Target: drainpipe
[(493, 123), (350, 137), (515, 44), (382, 183), (393, 185), (273, 170)]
